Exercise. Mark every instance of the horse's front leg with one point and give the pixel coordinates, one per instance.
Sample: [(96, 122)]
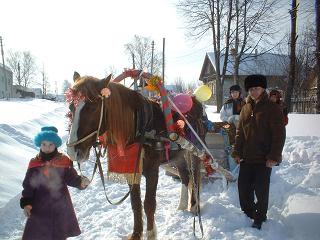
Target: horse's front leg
[(135, 197), (151, 173)]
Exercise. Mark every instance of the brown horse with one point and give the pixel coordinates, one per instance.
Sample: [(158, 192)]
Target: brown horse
[(125, 115)]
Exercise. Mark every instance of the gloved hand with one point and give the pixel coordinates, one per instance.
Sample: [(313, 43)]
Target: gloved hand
[(84, 182), (209, 126), (27, 210), (233, 119), (237, 160)]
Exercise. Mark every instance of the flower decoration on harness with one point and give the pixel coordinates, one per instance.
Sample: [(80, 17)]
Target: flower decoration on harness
[(105, 92), (74, 97)]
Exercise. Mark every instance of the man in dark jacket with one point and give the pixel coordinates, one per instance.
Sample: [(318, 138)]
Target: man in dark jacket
[(260, 139)]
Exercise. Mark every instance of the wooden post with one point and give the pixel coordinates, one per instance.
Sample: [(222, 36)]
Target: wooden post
[(293, 41), (163, 62), (4, 69)]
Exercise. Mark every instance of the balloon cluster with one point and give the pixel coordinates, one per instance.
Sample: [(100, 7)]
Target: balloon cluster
[(184, 101)]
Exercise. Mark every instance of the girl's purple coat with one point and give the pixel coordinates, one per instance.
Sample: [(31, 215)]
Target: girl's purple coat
[(52, 215)]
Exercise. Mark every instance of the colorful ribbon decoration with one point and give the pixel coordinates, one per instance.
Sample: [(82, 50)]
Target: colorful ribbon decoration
[(166, 107)]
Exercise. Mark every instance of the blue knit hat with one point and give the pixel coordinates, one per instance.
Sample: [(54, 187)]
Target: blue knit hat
[(49, 134)]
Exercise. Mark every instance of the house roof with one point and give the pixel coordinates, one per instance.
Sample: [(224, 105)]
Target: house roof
[(268, 64), (7, 68)]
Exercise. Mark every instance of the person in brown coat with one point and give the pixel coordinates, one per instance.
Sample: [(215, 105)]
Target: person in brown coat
[(260, 138), (276, 96), (45, 197)]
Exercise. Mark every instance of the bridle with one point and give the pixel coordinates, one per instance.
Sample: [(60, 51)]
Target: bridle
[(94, 132)]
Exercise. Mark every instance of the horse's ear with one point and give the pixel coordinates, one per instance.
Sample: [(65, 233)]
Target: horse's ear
[(76, 75), (104, 82)]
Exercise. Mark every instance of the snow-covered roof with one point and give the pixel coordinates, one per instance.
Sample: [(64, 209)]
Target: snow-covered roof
[(268, 64), (7, 68)]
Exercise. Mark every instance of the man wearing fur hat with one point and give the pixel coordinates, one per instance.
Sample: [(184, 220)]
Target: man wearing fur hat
[(260, 138), (45, 197)]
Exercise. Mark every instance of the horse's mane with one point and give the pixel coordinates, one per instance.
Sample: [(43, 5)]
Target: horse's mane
[(120, 107)]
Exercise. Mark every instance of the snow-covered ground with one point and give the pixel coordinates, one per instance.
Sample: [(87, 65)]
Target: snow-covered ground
[(294, 206)]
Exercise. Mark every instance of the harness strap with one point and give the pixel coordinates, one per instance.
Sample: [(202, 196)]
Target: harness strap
[(98, 163), (94, 132), (198, 212)]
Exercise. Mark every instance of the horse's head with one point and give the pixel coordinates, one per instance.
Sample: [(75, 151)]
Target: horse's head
[(91, 107), (85, 101)]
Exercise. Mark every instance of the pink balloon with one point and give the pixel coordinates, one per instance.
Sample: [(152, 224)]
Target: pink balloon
[(183, 102)]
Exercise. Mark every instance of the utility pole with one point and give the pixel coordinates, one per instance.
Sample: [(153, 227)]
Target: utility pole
[(152, 50), (151, 70), (163, 48), (56, 89), (135, 85), (293, 40), (317, 8), (4, 68), (19, 76)]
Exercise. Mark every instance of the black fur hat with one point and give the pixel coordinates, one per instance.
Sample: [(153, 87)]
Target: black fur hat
[(255, 80), (235, 88)]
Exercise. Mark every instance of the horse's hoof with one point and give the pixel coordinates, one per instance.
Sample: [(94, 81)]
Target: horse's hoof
[(152, 234), (135, 236), (182, 207)]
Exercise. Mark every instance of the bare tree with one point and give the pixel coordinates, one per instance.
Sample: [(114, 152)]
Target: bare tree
[(211, 17), (29, 68), (305, 57), (239, 25), (23, 66), (111, 70), (140, 49), (317, 9), (178, 83), (253, 26), (13, 60), (44, 82), (191, 86)]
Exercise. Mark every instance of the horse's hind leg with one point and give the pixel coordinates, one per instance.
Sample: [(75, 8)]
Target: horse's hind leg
[(135, 197), (195, 184), (182, 167)]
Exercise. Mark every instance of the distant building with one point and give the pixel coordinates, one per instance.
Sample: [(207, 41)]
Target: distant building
[(273, 66), (6, 77), (23, 92), (37, 92)]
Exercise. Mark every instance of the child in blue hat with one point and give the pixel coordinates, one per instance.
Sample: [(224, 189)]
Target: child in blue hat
[(45, 197)]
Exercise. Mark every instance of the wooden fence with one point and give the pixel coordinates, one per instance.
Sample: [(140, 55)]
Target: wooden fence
[(304, 101)]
